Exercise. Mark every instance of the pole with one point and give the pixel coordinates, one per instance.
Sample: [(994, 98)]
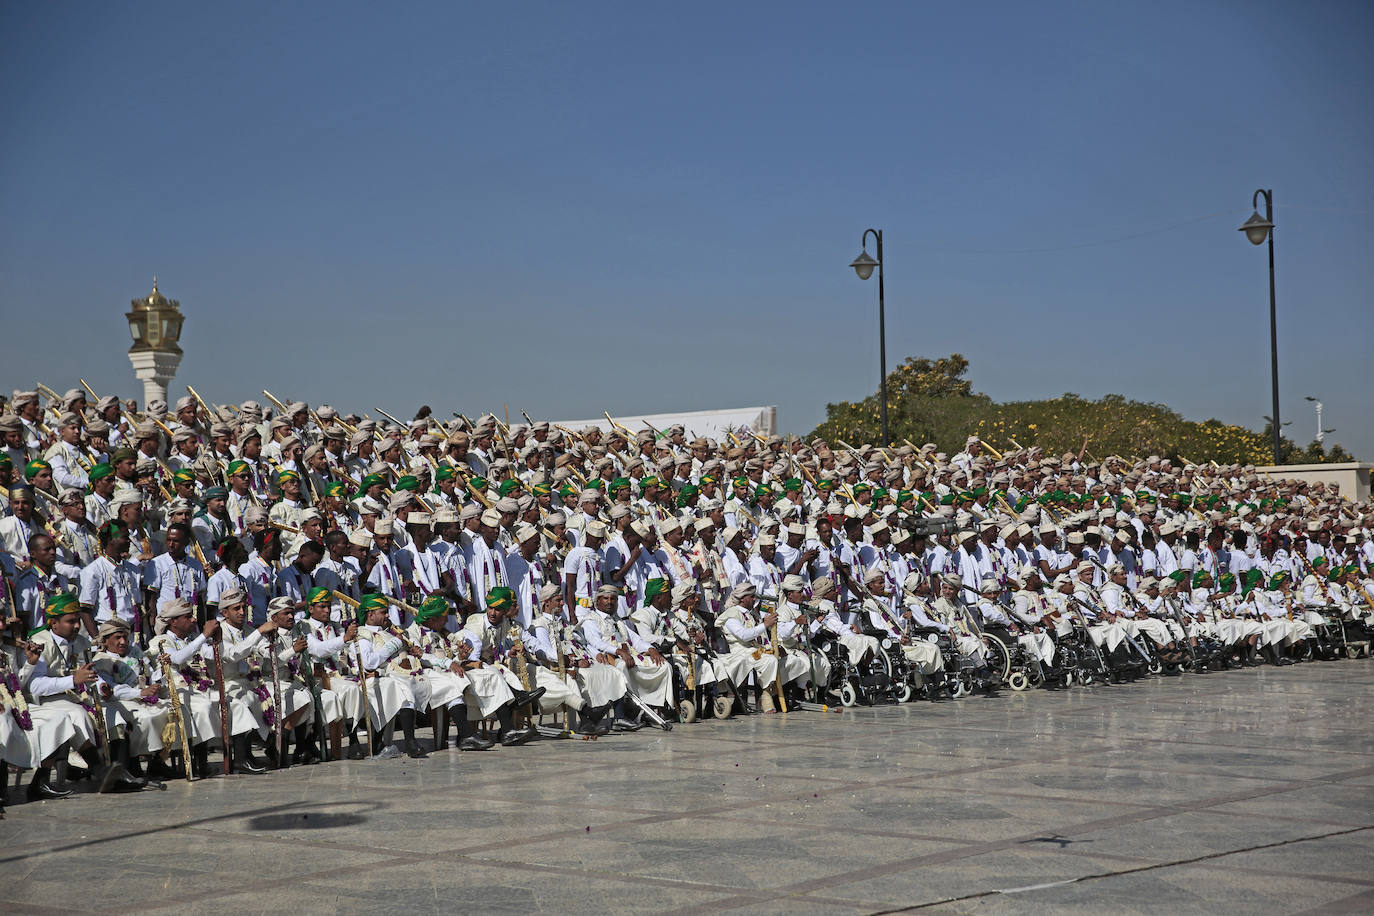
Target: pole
[(1273, 323), (882, 331)]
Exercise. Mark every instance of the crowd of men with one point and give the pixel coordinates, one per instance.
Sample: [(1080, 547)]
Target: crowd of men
[(227, 589)]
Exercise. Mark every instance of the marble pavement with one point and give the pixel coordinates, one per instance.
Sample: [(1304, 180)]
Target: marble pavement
[(1236, 792)]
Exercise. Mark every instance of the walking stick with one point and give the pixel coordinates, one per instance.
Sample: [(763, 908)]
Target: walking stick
[(166, 664), (223, 703)]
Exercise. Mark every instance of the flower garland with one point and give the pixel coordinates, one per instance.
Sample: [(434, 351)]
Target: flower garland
[(12, 698)]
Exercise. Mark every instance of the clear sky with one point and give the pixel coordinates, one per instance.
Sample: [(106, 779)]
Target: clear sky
[(651, 207)]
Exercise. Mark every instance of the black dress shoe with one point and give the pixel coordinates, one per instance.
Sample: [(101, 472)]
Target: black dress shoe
[(474, 743), (414, 751), (249, 765), (40, 791), (159, 770), (626, 725), (514, 736), (523, 697), (355, 752)]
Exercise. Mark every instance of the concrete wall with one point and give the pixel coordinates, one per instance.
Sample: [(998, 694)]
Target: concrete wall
[(1352, 476)]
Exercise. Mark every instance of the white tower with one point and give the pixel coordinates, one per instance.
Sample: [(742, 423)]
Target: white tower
[(155, 324)]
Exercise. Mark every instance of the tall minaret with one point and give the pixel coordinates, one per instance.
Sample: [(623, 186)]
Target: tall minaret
[(155, 324)]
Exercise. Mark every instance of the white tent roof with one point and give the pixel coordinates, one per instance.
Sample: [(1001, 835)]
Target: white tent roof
[(712, 423)]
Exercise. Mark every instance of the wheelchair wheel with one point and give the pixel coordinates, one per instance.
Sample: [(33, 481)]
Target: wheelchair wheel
[(1155, 666), (902, 693), (687, 710), (848, 695), (961, 687), (1018, 681), (723, 706), (999, 659)]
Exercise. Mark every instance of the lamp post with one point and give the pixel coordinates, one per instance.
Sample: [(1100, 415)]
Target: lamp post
[(1321, 432), (1258, 229), (863, 266), (155, 325)]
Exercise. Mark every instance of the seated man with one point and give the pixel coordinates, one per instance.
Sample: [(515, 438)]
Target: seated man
[(330, 653), (62, 681), (546, 642), (494, 687), (441, 682), (922, 653), (792, 619), (192, 675), (134, 713), (746, 634), (645, 670), (389, 661)]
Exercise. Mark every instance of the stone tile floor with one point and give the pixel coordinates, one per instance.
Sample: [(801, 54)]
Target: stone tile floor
[(1236, 792)]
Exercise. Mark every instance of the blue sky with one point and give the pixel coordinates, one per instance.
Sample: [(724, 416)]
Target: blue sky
[(639, 207)]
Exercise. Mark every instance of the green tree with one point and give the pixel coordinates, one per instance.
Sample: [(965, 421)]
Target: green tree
[(933, 401)]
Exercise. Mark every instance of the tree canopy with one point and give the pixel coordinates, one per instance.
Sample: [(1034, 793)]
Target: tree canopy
[(932, 401)]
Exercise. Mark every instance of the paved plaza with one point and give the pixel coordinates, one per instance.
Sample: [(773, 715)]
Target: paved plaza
[(1245, 791)]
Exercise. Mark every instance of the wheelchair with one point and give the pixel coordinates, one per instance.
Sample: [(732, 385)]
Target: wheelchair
[(866, 683)]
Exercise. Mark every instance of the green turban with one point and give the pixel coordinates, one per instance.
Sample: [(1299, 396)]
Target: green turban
[(740, 482), (59, 604), (979, 491), (1178, 576), (33, 467), (650, 481), (1199, 577), (335, 488), (500, 598), (1279, 578), (762, 490), (368, 482), (369, 603), (617, 484), (791, 485), (904, 495), (1226, 581), (826, 484), (283, 476), (407, 482), (445, 472), (318, 594), (99, 472), (708, 478), (541, 489), (123, 454), (567, 490), (879, 492), (432, 607), (1320, 561), (506, 486), (186, 475), (237, 466), (6, 461), (654, 587), (862, 487), (1254, 578), (686, 493)]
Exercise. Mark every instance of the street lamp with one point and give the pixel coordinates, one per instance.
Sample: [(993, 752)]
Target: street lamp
[(1258, 229), (863, 266), (1321, 433)]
